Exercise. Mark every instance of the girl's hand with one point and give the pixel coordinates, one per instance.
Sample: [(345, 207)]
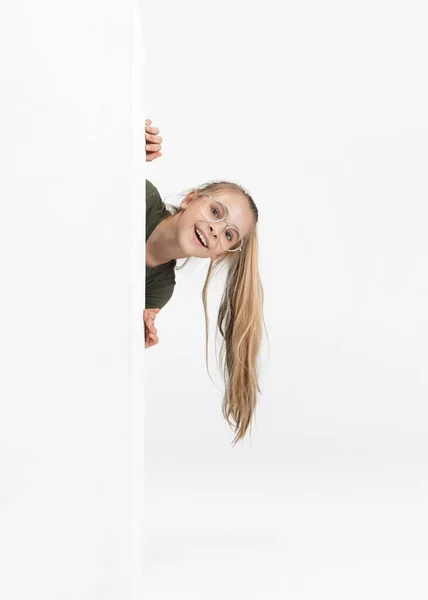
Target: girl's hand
[(153, 142), (151, 338)]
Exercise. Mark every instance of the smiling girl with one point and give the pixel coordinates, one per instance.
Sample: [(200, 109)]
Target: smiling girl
[(216, 221)]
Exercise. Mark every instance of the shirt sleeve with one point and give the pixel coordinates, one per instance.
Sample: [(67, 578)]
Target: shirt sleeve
[(159, 295), (160, 283)]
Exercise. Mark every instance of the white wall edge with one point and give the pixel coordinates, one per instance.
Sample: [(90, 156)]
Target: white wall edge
[(136, 305)]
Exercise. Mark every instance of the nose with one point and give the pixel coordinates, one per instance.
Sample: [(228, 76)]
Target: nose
[(215, 227)]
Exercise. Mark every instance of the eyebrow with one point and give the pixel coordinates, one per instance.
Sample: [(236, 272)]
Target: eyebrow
[(228, 215)]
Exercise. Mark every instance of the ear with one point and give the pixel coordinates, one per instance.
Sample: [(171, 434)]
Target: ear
[(187, 199)]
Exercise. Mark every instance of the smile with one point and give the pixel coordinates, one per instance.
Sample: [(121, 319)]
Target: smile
[(200, 238)]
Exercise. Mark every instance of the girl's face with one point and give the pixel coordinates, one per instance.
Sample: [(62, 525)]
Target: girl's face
[(239, 216)]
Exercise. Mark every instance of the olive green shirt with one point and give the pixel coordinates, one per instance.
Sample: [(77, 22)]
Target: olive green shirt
[(160, 280)]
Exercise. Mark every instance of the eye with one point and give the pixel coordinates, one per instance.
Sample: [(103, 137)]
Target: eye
[(215, 210)]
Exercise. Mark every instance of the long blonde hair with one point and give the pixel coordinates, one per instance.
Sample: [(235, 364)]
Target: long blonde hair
[(240, 317)]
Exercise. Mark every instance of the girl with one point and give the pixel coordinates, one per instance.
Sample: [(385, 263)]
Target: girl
[(216, 221)]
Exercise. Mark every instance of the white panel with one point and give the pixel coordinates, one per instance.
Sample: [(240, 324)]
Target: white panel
[(71, 333)]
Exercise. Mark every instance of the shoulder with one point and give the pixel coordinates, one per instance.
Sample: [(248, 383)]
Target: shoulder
[(151, 190), (155, 207)]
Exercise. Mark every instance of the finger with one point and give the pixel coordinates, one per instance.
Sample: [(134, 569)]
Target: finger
[(148, 311), (153, 139), (152, 342), (152, 156), (149, 328), (156, 139), (151, 144), (151, 314), (153, 147), (150, 325), (149, 341), (151, 130)]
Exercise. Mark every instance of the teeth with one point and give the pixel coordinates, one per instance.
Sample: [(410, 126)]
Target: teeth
[(204, 242)]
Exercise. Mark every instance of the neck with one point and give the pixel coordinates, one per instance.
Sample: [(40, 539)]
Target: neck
[(162, 245)]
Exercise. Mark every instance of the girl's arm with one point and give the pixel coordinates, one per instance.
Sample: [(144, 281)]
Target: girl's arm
[(153, 146)]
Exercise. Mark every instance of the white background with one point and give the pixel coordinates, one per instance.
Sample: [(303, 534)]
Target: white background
[(319, 110), (72, 269)]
